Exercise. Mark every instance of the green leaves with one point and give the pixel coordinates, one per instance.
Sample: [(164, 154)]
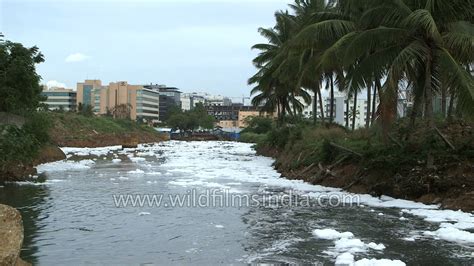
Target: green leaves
[(400, 41), (19, 82), (421, 20)]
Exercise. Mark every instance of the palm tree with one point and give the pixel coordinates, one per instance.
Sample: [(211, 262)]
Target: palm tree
[(425, 45), (275, 86)]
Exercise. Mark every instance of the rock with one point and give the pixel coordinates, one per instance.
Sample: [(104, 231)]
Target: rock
[(11, 236), (16, 171), (49, 153)]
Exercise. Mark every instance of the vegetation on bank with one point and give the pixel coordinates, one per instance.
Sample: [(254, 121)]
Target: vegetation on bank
[(364, 161), (20, 95), (421, 48), (197, 118)]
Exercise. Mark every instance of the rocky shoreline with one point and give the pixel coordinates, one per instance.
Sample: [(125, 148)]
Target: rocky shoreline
[(450, 185)]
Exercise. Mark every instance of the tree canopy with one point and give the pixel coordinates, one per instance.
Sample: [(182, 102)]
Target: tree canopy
[(190, 120), (20, 88), (425, 47)]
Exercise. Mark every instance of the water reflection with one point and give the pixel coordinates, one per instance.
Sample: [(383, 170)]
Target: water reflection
[(32, 201)]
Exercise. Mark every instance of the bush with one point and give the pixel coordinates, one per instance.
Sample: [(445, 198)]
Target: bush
[(249, 137), (258, 124), (17, 145), (38, 125)]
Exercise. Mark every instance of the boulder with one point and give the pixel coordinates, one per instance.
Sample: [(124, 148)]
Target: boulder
[(11, 236)]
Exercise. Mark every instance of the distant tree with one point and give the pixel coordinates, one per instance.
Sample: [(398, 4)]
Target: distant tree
[(122, 111), (19, 83), (190, 120)]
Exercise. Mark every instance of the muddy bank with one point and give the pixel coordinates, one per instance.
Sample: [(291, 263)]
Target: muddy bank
[(11, 236), (450, 184), (101, 140), (21, 171)]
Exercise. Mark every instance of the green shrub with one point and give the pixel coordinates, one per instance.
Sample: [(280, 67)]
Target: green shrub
[(249, 137), (17, 144), (258, 125), (38, 125)]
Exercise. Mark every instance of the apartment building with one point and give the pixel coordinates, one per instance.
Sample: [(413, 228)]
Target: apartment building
[(60, 99), (190, 100), (120, 99), (339, 110)]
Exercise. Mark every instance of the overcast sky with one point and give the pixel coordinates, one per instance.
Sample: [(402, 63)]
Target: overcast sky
[(195, 45)]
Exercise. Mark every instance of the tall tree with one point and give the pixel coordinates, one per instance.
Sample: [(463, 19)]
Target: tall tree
[(19, 83)]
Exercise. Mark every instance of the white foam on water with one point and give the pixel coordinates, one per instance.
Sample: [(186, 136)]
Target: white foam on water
[(345, 245), (143, 213), (379, 262), (345, 258), (219, 226), (137, 159), (137, 171), (154, 173), (452, 234), (90, 151), (227, 165), (65, 165), (331, 234), (193, 183), (116, 160)]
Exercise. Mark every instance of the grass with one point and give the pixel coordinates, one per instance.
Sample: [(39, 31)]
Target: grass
[(302, 145), (76, 123)]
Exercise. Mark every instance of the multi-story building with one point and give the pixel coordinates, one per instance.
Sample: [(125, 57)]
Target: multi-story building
[(60, 99), (245, 114), (218, 100), (339, 109), (227, 112), (120, 99), (85, 92), (190, 100), (169, 97)]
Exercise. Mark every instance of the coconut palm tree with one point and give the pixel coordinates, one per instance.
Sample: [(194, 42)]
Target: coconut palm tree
[(424, 43), (275, 86)]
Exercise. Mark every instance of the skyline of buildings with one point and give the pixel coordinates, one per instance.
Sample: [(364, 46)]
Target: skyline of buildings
[(152, 102)]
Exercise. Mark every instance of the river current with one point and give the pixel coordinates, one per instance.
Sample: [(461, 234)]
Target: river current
[(219, 203)]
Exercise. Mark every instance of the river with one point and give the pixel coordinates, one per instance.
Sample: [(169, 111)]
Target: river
[(234, 209)]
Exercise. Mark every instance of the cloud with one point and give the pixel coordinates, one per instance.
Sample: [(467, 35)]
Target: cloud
[(54, 83), (76, 57)]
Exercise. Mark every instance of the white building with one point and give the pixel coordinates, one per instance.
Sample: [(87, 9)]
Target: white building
[(340, 109), (190, 100), (60, 99)]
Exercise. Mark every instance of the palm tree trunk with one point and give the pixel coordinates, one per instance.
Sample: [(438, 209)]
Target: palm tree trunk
[(315, 106), (429, 99), (443, 99), (368, 116), (347, 111), (429, 110), (331, 115), (451, 106), (354, 112), (321, 105), (414, 112), (374, 100)]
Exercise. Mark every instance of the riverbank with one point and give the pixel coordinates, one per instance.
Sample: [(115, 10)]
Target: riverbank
[(358, 163), (74, 130)]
